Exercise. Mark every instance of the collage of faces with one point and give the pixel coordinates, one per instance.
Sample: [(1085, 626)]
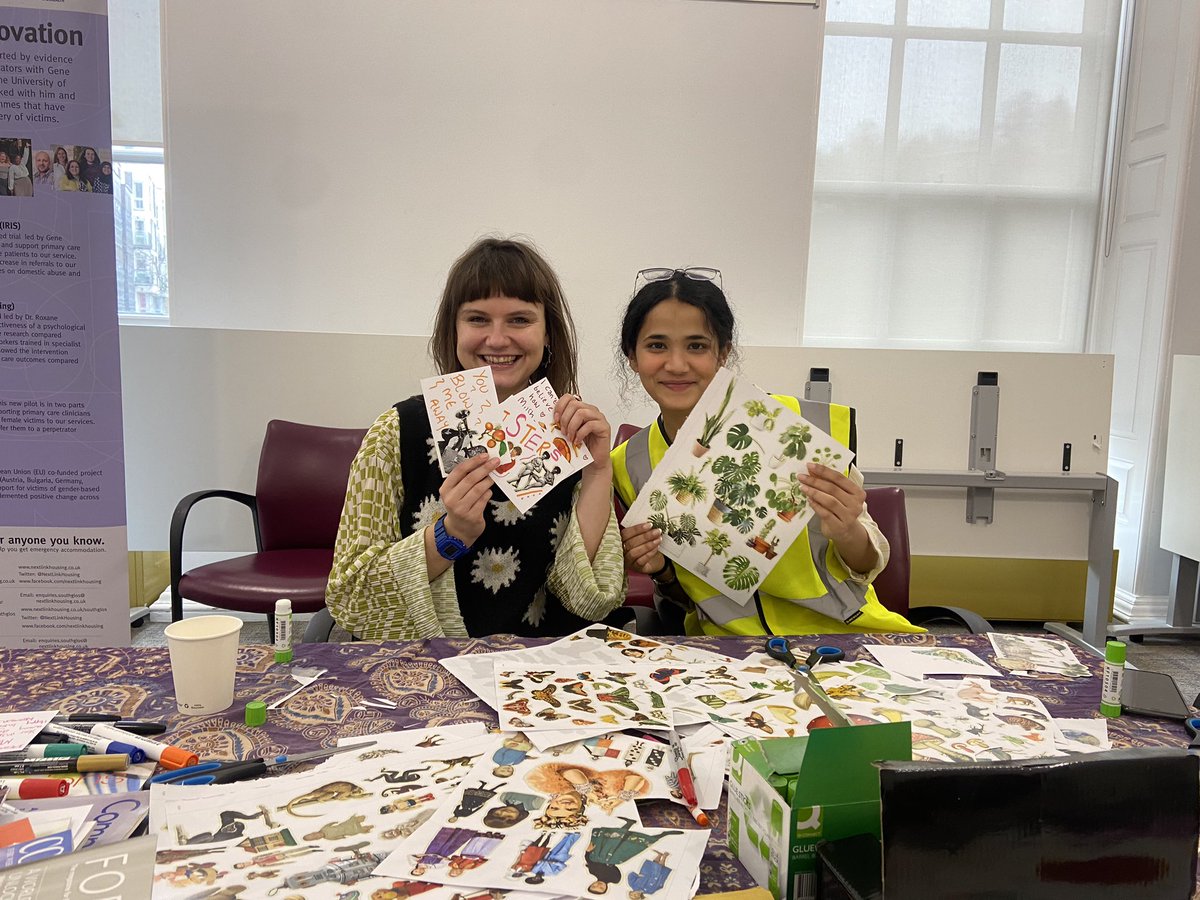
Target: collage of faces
[(25, 172)]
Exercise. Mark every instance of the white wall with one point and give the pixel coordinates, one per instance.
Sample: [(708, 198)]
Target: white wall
[(327, 165)]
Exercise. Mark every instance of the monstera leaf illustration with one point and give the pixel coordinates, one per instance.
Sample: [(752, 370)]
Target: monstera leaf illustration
[(658, 500), (740, 574)]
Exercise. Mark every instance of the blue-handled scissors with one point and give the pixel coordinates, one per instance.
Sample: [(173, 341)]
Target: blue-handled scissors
[(1192, 724), (226, 771), (778, 648)]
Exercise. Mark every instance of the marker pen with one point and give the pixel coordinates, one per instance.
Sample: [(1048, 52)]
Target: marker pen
[(95, 743), (45, 750), (169, 756), (133, 726), (35, 788), (93, 762)]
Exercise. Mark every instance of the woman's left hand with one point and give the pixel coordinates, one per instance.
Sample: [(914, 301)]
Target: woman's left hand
[(837, 502), (583, 423)]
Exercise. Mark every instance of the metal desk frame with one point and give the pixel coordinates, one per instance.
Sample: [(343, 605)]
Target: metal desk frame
[(1101, 529)]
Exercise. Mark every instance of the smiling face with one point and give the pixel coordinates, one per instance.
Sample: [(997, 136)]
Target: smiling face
[(89, 156), (41, 160), (60, 156), (564, 806), (505, 333), (73, 169), (676, 356)]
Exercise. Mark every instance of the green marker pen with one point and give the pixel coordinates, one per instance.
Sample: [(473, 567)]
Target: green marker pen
[(1114, 675)]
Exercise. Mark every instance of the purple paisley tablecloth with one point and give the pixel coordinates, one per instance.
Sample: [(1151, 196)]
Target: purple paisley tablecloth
[(136, 683)]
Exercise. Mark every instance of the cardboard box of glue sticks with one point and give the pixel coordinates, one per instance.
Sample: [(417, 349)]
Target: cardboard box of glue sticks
[(787, 794)]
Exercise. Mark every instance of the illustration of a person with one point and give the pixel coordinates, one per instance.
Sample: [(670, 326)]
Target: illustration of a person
[(610, 847), (534, 472), (512, 752), (608, 789), (530, 855), (473, 800), (653, 875), (474, 853), (190, 874), (554, 861), (515, 807), (403, 890), (445, 844)]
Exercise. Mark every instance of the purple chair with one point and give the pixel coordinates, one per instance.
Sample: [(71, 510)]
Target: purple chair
[(886, 506), (302, 474)]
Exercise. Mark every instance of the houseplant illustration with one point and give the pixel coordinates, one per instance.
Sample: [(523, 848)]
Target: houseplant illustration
[(687, 487), (681, 529), (738, 437), (793, 444), (717, 542), (761, 415), (713, 424), (737, 491), (763, 542), (826, 456), (787, 496), (740, 574)]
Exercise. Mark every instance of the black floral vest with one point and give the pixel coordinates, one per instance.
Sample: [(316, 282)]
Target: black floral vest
[(501, 582)]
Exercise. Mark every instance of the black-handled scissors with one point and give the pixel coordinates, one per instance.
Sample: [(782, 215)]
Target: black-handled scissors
[(226, 771)]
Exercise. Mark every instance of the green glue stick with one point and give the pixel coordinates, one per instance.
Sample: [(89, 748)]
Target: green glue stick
[(1114, 675)]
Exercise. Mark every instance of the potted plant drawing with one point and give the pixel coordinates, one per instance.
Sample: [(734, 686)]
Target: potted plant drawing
[(787, 497), (757, 409), (681, 529), (740, 574), (737, 491), (717, 542), (793, 444), (826, 457), (713, 424), (687, 487), (763, 542), (738, 437)]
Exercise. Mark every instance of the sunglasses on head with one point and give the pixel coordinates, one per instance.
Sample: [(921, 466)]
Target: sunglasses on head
[(696, 273)]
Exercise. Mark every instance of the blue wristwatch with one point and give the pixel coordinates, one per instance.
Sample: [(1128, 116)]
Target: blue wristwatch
[(448, 546)]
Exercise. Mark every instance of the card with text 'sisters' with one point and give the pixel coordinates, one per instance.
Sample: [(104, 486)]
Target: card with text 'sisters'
[(535, 455), (457, 404)]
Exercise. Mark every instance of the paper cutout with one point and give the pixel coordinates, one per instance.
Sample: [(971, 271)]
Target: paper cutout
[(727, 495), (456, 405)]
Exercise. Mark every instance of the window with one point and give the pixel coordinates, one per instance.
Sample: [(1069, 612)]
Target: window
[(139, 177), (960, 153)]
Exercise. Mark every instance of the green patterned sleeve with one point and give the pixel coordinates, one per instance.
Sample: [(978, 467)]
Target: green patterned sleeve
[(379, 586), (589, 589)]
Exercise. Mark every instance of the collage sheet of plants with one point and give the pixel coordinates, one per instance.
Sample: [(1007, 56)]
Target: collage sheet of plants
[(727, 495)]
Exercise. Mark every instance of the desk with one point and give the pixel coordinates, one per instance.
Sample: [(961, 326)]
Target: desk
[(137, 683)]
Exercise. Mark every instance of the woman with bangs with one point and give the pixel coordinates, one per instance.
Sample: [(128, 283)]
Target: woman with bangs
[(549, 571)]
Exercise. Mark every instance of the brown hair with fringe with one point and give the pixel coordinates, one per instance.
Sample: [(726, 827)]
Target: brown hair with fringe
[(507, 267)]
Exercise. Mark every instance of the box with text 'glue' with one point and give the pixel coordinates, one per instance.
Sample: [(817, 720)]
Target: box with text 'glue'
[(788, 794)]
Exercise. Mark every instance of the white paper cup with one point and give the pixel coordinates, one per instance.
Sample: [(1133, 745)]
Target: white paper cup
[(203, 662)]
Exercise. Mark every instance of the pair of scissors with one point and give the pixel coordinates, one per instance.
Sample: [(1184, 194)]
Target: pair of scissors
[(224, 772), (778, 648)]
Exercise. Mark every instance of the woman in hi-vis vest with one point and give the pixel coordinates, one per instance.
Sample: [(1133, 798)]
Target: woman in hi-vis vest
[(677, 331)]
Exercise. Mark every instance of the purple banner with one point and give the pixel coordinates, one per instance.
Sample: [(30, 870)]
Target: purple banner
[(62, 480)]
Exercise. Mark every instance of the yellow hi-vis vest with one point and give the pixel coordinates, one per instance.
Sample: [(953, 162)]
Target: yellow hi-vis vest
[(807, 592)]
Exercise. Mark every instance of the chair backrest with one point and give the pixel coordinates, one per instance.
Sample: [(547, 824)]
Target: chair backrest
[(886, 506), (302, 474)]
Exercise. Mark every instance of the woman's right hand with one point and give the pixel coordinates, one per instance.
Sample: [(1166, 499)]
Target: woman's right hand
[(641, 543), (465, 494)]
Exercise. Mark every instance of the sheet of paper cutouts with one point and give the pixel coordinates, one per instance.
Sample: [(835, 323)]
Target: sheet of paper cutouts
[(320, 832), (727, 495), (563, 823), (1025, 653), (584, 695), (456, 405), (535, 456), (918, 662)]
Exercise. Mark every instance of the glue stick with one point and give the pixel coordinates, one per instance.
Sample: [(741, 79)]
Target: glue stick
[(283, 630), (1114, 675)]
